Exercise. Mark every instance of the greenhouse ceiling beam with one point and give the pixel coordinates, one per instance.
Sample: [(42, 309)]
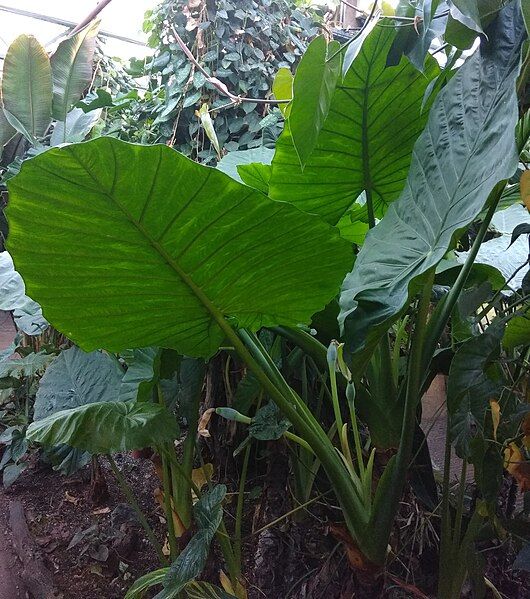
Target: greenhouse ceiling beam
[(65, 23)]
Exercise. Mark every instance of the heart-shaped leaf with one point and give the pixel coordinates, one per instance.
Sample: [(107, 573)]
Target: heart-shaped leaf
[(365, 143), (76, 378), (467, 147), (150, 248), (106, 427)]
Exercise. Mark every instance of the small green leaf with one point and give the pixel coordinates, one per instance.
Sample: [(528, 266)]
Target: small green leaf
[(143, 365), (473, 381), (517, 331), (268, 424), (11, 473)]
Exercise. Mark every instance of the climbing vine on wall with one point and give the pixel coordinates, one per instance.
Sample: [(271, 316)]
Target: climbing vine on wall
[(242, 43)]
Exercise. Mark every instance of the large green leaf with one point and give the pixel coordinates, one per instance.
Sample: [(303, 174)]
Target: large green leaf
[(106, 427), (365, 142), (72, 69), (313, 86), (467, 147), (208, 512), (150, 248), (76, 378), (27, 87)]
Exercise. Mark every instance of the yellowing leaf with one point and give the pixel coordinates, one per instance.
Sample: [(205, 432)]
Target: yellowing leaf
[(282, 88), (525, 188), (179, 527), (209, 129), (495, 416), (240, 592), (200, 477), (516, 465)]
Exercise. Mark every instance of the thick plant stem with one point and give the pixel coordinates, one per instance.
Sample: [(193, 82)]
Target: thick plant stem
[(168, 508), (129, 495), (301, 417), (182, 490), (309, 344), (386, 508), (446, 536), (240, 504), (297, 412), (441, 317)]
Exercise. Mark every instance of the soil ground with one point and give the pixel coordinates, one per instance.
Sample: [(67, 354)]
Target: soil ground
[(298, 559)]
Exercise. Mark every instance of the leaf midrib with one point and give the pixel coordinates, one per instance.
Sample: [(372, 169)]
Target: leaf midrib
[(186, 279)]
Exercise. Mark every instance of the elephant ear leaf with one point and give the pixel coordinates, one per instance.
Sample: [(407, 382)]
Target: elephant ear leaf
[(143, 230), (106, 427), (76, 378), (72, 69), (467, 147), (27, 87), (364, 143)]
